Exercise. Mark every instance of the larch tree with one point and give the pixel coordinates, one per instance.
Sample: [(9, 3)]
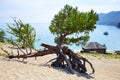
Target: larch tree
[(72, 26)]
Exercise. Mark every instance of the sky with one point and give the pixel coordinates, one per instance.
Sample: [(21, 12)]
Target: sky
[(43, 11)]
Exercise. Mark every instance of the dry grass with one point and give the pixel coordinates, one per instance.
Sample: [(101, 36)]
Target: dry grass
[(98, 55)]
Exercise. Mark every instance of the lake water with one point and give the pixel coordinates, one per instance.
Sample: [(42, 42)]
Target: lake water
[(112, 41)]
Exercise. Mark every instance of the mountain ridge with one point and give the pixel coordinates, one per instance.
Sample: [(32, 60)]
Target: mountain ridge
[(112, 19)]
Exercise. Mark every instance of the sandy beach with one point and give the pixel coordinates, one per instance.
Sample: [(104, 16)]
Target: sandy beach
[(31, 69)]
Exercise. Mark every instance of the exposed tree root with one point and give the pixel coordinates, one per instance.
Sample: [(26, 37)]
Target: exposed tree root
[(65, 58)]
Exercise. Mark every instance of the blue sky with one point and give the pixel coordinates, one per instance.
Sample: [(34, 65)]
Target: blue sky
[(43, 11)]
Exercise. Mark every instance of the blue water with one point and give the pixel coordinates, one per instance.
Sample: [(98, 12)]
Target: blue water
[(112, 41)]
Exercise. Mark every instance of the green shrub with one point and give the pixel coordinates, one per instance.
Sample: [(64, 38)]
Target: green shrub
[(25, 34), (2, 34)]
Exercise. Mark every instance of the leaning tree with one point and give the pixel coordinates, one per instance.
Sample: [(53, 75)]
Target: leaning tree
[(69, 26)]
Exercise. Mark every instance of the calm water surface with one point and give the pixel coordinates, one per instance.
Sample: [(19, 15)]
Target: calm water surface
[(112, 40)]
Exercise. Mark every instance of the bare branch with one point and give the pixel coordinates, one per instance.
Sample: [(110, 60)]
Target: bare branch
[(50, 61), (5, 51)]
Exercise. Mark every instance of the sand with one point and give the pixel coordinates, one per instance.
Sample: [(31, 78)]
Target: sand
[(31, 69)]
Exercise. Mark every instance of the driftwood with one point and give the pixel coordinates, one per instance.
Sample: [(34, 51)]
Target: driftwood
[(66, 58)]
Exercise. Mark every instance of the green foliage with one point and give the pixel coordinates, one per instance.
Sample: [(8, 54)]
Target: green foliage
[(2, 34), (74, 25), (25, 34)]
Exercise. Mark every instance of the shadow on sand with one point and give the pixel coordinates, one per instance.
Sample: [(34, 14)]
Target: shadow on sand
[(85, 75), (88, 76)]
